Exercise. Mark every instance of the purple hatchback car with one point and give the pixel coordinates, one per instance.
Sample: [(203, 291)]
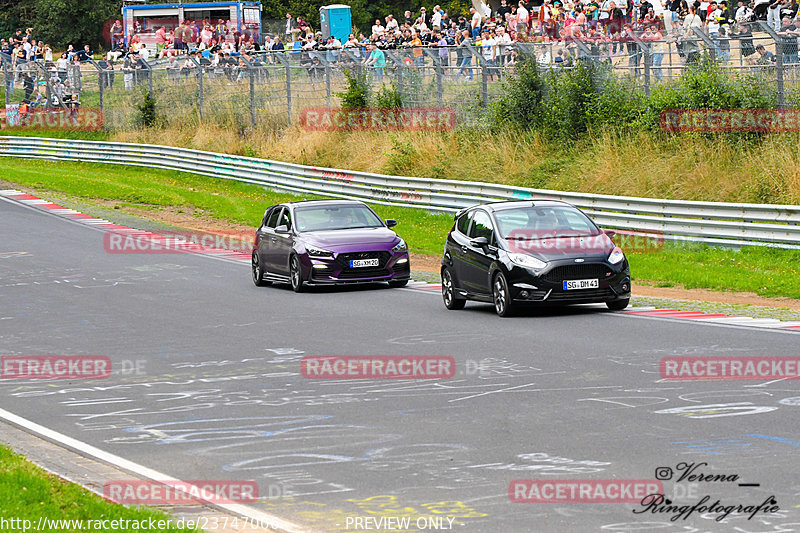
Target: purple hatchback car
[(324, 242)]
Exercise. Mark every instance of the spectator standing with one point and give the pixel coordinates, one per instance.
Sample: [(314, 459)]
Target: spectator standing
[(179, 37), (444, 51), (128, 67), (774, 14), (489, 51), (377, 60), (116, 35), (161, 39), (28, 85), (475, 22), (61, 66), (206, 35), (391, 24), (436, 18)]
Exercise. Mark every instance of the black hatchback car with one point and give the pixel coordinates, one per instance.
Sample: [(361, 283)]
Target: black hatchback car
[(532, 252)]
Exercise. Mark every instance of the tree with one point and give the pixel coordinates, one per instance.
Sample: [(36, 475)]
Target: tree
[(76, 22), (13, 14)]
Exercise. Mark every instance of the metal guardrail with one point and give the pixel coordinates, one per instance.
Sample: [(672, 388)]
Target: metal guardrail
[(709, 222)]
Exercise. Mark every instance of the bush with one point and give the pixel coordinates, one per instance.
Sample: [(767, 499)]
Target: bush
[(388, 97), (566, 104), (522, 98), (357, 94), (147, 116), (705, 86)]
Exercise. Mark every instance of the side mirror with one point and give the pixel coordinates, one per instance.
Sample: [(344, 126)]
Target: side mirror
[(610, 233), (479, 242), (390, 222), (283, 228)]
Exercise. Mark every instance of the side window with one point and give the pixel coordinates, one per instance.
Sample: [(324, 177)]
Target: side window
[(481, 226), (462, 224), (286, 219), (273, 217)]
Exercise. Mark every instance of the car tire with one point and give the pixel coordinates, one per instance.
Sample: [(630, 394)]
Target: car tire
[(501, 296), (258, 273), (296, 274), (618, 305), (449, 292), (397, 284)]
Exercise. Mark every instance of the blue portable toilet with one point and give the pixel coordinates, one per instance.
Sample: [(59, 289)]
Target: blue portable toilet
[(335, 20)]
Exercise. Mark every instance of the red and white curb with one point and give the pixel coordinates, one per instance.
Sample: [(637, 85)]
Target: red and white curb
[(167, 241), (699, 316)]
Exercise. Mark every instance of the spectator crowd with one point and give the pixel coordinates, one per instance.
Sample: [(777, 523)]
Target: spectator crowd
[(30, 63)]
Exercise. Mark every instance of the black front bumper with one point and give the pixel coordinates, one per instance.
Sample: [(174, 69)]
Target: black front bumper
[(547, 286)]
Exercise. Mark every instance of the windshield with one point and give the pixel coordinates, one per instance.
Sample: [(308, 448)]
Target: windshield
[(332, 217), (544, 223)]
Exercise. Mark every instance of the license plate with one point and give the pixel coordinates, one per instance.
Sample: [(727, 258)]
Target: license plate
[(581, 284), (359, 263)]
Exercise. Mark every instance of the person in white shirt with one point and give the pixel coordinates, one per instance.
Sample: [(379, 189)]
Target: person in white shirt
[(61, 63), (391, 24), (692, 20), (377, 28), (503, 42), (743, 13), (489, 51), (436, 19), (475, 23)]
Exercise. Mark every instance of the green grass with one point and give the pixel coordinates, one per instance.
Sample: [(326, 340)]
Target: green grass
[(220, 199), (57, 134), (28, 493), (765, 271)]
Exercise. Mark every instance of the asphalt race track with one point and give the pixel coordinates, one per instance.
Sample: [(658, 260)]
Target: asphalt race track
[(551, 395)]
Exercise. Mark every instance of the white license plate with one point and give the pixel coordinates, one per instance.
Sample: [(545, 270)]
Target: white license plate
[(581, 284), (359, 263)]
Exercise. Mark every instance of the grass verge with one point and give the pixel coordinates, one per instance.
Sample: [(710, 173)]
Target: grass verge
[(29, 493), (764, 271)]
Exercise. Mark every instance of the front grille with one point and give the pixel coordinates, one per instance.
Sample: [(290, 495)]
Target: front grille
[(352, 273), (581, 294), (583, 271), (343, 260)]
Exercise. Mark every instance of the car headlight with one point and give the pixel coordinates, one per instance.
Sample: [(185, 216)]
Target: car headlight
[(318, 252), (527, 261), (616, 256), (400, 246)]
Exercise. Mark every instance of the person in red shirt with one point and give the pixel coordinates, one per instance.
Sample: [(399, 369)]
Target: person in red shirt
[(161, 38)]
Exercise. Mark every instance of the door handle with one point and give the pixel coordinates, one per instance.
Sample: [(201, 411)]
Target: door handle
[(273, 239), (464, 250)]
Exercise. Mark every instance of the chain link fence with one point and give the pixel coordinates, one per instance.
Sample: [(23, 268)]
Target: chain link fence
[(270, 89)]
